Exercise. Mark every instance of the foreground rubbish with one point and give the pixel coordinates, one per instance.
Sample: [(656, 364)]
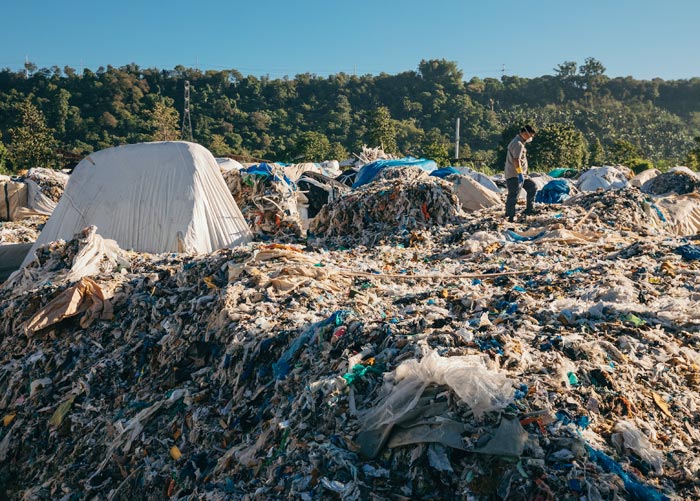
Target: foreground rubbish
[(452, 358)]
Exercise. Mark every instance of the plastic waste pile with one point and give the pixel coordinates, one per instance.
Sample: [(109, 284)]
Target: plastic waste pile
[(555, 358), (23, 231), (267, 199), (400, 199), (51, 183), (678, 180)]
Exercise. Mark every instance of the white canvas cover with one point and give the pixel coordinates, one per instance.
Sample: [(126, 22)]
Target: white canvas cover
[(473, 195), (227, 164), (682, 213), (644, 176), (13, 196), (150, 197), (480, 178), (605, 178)]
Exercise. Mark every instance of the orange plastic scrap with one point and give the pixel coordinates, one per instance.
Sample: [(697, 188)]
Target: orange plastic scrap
[(84, 297), (284, 247), (424, 209), (534, 419)]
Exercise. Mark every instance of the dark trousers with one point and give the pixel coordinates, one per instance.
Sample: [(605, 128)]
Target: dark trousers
[(513, 189)]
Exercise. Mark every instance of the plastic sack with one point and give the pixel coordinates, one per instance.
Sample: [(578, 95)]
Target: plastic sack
[(636, 489), (626, 436), (482, 389), (554, 192)]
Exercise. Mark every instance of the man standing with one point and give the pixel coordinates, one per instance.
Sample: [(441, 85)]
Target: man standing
[(516, 170)]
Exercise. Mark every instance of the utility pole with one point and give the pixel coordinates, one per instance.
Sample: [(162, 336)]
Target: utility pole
[(26, 67), (457, 140), (503, 71), (186, 131)]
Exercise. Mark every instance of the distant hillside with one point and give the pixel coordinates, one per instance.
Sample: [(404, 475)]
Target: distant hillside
[(310, 118)]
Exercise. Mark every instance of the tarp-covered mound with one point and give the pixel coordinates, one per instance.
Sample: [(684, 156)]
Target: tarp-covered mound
[(227, 164), (267, 198), (370, 171), (150, 197), (644, 176), (682, 213), (680, 180), (602, 178), (402, 198)]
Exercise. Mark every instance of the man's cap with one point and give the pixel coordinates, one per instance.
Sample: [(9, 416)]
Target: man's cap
[(529, 129)]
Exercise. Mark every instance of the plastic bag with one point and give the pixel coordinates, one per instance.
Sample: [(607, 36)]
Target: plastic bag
[(482, 389), (627, 436)]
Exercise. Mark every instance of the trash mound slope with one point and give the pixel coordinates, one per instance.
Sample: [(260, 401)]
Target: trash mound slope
[(548, 359)]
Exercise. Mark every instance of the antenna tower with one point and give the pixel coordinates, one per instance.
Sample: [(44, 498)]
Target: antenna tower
[(186, 132)]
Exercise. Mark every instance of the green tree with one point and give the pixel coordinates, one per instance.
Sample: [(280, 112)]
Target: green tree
[(33, 143), (4, 157), (337, 152), (597, 153), (622, 152), (163, 121), (218, 146), (312, 147), (381, 130), (558, 145), (692, 158), (436, 147)]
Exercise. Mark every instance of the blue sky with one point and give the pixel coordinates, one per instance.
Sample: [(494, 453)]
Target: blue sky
[(643, 39)]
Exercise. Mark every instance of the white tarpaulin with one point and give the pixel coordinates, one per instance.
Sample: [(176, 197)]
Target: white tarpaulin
[(682, 213), (473, 195), (644, 176), (150, 197), (602, 178), (227, 164)]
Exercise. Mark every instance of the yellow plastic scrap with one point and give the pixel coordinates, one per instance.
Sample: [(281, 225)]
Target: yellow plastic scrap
[(175, 453), (8, 419), (60, 413), (661, 404), (209, 281)]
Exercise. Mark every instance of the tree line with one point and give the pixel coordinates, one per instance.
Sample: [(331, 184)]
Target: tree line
[(51, 116)]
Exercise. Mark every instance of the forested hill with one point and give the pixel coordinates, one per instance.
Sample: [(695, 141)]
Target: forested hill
[(50, 116)]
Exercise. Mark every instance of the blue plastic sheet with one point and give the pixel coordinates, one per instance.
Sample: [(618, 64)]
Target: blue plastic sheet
[(516, 237), (689, 252), (267, 170), (554, 192), (367, 173), (444, 172), (282, 367), (634, 488)]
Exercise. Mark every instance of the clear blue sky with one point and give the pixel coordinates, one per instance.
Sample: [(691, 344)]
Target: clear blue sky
[(643, 38)]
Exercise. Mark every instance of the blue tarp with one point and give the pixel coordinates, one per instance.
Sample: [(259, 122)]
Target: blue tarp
[(554, 192), (444, 172), (266, 170), (689, 252), (563, 172), (367, 173)]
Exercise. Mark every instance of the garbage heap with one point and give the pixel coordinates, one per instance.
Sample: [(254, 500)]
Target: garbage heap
[(680, 181), (267, 199), (554, 358), (21, 231), (51, 183), (401, 199)]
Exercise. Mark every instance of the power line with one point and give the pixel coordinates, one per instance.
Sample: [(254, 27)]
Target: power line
[(186, 131)]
